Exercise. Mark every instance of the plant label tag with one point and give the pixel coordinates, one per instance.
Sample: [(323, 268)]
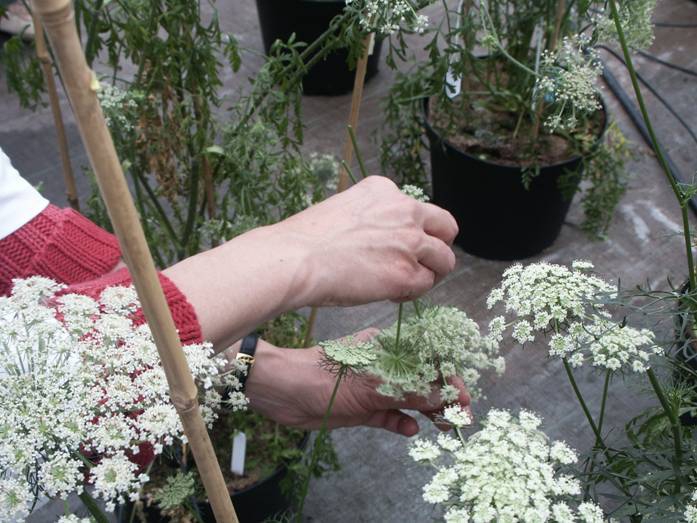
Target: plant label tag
[(371, 46), (239, 452), (453, 84)]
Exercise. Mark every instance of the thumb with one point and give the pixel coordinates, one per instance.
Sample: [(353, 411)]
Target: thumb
[(366, 334)]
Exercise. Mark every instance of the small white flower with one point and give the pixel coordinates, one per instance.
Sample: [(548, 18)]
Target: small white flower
[(415, 192), (590, 513), (457, 416), (422, 450), (456, 515), (15, 499), (383, 17), (562, 453), (61, 475)]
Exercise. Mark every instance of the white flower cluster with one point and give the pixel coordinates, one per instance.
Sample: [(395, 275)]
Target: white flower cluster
[(568, 304), (636, 19), (118, 106), (415, 192), (72, 518), (691, 510), (438, 343), (506, 472), (567, 81), (82, 391), (388, 16), (325, 168)]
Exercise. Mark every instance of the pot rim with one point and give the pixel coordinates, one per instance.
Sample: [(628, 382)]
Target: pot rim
[(430, 130), (280, 468)]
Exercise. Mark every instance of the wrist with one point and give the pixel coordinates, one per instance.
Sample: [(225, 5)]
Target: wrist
[(295, 264), (278, 384)]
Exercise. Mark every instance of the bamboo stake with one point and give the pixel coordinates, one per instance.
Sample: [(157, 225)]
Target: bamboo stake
[(358, 83), (58, 18), (47, 68), (347, 154)]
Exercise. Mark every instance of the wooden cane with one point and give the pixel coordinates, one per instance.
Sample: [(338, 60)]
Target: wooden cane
[(81, 85), (347, 154), (47, 68)]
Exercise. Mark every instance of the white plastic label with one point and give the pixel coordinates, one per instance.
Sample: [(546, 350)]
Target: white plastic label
[(239, 452), (453, 84)]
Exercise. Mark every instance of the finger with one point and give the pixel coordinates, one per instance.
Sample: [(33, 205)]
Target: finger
[(366, 334), (438, 222), (410, 401), (421, 281), (464, 398), (437, 256), (395, 421), (436, 416)]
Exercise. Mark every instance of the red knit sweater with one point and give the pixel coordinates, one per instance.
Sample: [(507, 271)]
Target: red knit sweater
[(63, 245)]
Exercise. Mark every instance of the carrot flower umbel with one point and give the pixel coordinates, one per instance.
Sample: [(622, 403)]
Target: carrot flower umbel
[(83, 392)]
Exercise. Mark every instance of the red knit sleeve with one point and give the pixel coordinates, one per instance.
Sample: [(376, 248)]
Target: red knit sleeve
[(183, 312), (60, 244)]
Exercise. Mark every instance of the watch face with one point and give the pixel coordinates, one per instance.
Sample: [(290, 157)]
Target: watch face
[(245, 358)]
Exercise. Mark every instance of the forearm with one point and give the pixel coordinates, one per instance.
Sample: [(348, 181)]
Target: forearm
[(244, 282)]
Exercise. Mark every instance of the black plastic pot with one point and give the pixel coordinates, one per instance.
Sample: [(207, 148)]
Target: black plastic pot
[(308, 19), (254, 504), (499, 218)]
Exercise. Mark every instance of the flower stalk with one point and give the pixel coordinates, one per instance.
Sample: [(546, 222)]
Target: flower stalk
[(323, 432), (674, 426)]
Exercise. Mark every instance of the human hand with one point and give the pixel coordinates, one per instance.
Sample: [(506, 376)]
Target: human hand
[(291, 387), (371, 243)]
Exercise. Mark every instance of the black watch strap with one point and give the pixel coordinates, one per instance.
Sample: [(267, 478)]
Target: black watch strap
[(246, 356)]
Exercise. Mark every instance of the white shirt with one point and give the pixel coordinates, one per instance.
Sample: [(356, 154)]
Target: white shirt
[(19, 201)]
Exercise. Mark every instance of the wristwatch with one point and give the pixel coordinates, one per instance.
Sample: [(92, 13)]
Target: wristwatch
[(246, 356)]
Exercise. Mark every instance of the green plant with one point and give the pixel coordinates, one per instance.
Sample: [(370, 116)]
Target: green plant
[(529, 101)]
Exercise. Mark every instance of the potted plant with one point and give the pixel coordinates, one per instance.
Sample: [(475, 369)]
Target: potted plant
[(513, 130), (307, 21)]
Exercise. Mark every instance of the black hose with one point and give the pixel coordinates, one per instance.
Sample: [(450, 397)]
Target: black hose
[(675, 25), (638, 122), (671, 65), (655, 92)]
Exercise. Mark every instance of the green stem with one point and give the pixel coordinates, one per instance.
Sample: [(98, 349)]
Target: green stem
[(256, 100), (674, 425), (417, 309), (140, 177), (349, 171), (399, 326), (359, 157), (318, 442), (93, 508), (656, 147), (598, 437), (601, 419), (603, 402)]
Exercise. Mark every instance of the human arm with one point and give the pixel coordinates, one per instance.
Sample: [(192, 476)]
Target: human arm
[(368, 243)]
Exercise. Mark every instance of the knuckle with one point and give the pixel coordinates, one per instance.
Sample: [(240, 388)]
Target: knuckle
[(380, 181)]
